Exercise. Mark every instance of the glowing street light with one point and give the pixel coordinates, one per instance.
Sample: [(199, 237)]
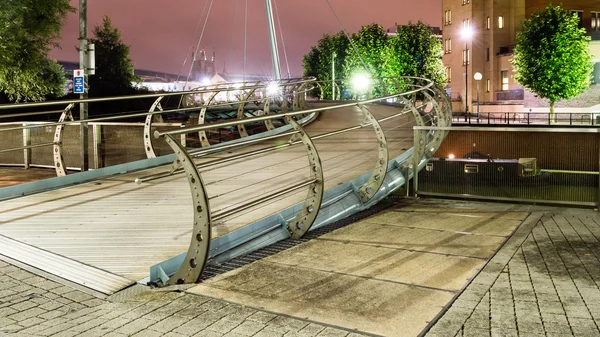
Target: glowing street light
[(360, 82), (467, 34), (273, 89), (477, 78)]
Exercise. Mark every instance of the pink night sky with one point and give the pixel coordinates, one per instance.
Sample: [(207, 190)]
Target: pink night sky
[(161, 33)]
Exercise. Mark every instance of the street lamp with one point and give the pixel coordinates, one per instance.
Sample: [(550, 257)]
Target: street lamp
[(333, 76), (477, 78), (467, 34)]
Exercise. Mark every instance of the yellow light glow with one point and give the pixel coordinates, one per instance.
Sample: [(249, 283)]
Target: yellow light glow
[(450, 156)]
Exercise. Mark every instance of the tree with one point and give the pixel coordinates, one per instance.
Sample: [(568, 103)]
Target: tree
[(318, 62), (414, 51), (29, 29), (551, 55), (114, 70), (369, 42)]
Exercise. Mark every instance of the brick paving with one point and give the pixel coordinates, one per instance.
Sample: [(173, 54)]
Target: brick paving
[(31, 305), (545, 281), (549, 287)]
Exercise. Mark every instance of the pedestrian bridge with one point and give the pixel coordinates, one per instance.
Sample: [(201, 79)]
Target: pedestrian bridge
[(165, 200)]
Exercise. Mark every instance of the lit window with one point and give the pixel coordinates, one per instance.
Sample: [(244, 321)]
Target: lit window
[(447, 17), (500, 21), (579, 15), (465, 56), (488, 23), (596, 21), (487, 85), (465, 2), (449, 74), (448, 45), (504, 75)]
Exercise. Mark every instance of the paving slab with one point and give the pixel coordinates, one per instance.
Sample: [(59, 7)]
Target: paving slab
[(389, 274)]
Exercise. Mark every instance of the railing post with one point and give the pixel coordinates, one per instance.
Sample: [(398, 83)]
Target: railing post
[(415, 163), (97, 144), (528, 114), (26, 142), (548, 118), (571, 118), (183, 138)]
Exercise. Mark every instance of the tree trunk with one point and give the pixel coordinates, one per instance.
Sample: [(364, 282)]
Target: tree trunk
[(552, 118)]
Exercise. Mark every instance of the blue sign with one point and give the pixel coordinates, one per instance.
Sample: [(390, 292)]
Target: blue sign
[(78, 85), (78, 81)]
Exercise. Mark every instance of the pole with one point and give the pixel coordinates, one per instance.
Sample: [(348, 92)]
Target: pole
[(466, 80), (478, 102), (83, 62), (333, 76), (273, 39)]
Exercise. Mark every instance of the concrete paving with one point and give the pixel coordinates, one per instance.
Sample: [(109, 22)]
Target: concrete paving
[(389, 274)]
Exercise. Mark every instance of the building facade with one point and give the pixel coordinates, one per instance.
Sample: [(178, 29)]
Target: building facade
[(493, 25)]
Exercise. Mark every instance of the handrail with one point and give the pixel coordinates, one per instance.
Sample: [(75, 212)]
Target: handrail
[(205, 89), (158, 134), (141, 114), (261, 199)]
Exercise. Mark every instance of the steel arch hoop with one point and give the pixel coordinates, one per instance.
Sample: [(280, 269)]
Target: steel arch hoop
[(57, 148), (310, 209), (370, 188), (197, 254), (240, 115), (201, 117), (148, 147)]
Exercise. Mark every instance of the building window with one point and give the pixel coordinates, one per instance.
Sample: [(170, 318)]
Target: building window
[(579, 15), (487, 85), (596, 21), (500, 21), (465, 56), (504, 76), (488, 23), (487, 54), (449, 74), (466, 23), (465, 2), (448, 17), (448, 46)]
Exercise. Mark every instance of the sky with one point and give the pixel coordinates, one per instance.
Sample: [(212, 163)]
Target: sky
[(161, 33)]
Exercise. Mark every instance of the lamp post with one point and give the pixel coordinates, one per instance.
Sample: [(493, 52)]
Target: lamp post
[(333, 76), (478, 78), (467, 34)]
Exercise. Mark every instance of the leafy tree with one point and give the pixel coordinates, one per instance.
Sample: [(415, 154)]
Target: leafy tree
[(318, 61), (369, 43), (29, 29), (114, 70), (414, 51), (551, 55)]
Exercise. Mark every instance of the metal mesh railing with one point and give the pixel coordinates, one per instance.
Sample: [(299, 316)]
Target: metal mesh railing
[(516, 164)]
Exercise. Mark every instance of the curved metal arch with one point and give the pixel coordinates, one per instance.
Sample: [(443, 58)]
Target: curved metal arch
[(310, 209), (201, 118), (148, 146), (240, 115), (197, 254), (57, 148), (372, 186)]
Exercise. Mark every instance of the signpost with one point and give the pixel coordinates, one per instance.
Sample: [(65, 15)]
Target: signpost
[(78, 81)]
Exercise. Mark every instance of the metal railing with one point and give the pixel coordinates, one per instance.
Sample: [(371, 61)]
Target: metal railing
[(434, 109), (528, 118), (56, 144), (427, 103), (534, 165)]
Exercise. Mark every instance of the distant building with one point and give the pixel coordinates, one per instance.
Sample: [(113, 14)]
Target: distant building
[(495, 25), (437, 31)]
